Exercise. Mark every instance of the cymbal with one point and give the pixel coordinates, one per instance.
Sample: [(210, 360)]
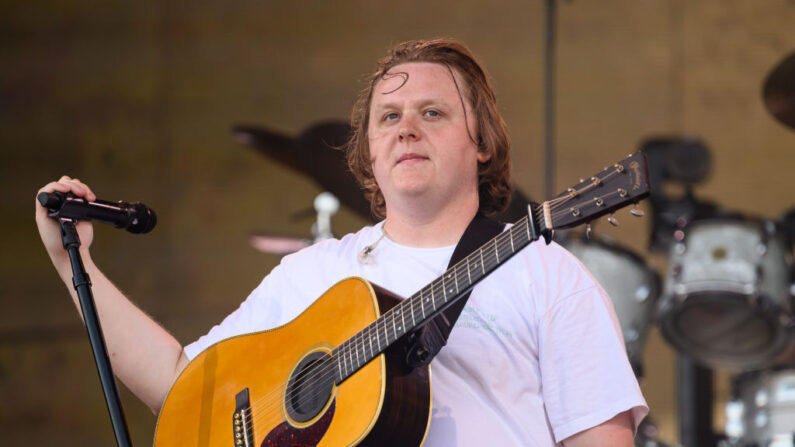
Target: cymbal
[(778, 91), (277, 245)]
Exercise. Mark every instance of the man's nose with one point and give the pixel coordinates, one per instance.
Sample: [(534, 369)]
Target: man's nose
[(408, 131)]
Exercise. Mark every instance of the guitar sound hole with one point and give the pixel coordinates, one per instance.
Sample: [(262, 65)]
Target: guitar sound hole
[(309, 387)]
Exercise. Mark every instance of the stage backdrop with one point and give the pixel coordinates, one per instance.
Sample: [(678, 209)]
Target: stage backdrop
[(137, 99)]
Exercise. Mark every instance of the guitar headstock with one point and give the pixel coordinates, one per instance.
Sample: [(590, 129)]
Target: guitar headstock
[(615, 187)]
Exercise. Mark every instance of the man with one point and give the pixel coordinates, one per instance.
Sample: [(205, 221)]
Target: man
[(537, 358)]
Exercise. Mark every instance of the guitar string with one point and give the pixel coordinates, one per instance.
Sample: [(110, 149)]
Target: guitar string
[(260, 409), (355, 344)]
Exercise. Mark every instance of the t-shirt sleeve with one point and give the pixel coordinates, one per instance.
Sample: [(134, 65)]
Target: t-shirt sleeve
[(586, 376)]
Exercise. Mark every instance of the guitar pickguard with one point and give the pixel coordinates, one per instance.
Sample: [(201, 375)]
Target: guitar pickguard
[(286, 435)]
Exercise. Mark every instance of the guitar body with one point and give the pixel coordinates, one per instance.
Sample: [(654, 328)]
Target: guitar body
[(383, 403)]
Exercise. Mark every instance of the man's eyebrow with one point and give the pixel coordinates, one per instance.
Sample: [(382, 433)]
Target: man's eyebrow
[(420, 103)]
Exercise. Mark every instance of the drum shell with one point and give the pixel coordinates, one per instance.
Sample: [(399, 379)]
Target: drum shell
[(631, 284), (725, 300)]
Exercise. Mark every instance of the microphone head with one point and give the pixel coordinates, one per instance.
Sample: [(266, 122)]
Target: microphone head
[(49, 200), (143, 219)]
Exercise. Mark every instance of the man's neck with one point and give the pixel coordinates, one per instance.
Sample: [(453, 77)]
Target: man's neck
[(429, 228)]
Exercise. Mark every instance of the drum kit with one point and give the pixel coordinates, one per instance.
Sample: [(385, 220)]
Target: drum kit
[(726, 301), (727, 297)]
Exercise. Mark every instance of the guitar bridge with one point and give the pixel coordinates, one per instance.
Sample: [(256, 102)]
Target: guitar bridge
[(242, 425)]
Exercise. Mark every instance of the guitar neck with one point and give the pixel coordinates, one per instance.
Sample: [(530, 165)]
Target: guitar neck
[(431, 299), (612, 188)]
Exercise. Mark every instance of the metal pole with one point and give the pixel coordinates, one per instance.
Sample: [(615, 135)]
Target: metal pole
[(82, 284), (549, 99)]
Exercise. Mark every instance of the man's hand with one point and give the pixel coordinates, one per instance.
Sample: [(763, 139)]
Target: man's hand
[(50, 229)]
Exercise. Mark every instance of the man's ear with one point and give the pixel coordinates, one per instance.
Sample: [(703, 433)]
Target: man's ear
[(483, 156)]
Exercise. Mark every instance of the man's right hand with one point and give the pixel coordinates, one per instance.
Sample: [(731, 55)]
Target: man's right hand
[(50, 229), (143, 355)]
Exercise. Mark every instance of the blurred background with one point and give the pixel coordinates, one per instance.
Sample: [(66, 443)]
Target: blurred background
[(139, 101)]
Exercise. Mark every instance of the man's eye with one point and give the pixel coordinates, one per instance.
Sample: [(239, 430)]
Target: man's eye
[(390, 116), (432, 113)]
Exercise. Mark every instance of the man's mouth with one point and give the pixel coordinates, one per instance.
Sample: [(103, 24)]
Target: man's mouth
[(411, 158)]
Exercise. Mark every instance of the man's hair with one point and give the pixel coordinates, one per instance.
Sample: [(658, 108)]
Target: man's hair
[(494, 186)]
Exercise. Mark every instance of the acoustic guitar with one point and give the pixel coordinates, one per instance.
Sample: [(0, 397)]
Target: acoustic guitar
[(336, 375)]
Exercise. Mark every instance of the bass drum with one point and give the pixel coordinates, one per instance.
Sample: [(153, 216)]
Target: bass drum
[(762, 411), (632, 285), (726, 295)]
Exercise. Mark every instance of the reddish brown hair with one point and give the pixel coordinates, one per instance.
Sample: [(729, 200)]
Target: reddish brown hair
[(494, 186)]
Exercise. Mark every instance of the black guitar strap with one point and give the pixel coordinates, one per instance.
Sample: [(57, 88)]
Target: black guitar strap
[(427, 341)]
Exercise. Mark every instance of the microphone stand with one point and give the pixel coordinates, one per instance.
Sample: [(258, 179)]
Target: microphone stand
[(82, 284)]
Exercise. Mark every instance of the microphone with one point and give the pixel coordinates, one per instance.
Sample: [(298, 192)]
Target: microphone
[(133, 217)]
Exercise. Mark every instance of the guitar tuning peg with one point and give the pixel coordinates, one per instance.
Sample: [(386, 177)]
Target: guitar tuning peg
[(588, 231), (637, 212), (612, 219)]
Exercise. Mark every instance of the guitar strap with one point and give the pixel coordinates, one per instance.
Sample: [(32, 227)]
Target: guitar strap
[(425, 342)]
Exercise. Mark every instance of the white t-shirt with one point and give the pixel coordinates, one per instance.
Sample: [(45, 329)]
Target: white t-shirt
[(536, 356)]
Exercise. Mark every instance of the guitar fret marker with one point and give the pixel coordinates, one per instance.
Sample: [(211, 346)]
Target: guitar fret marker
[(483, 267), (339, 368), (372, 354), (344, 360), (528, 224)]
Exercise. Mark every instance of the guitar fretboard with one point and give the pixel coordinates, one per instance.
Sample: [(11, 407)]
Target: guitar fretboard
[(355, 352)]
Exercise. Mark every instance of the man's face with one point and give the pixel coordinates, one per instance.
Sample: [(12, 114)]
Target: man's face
[(420, 145)]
